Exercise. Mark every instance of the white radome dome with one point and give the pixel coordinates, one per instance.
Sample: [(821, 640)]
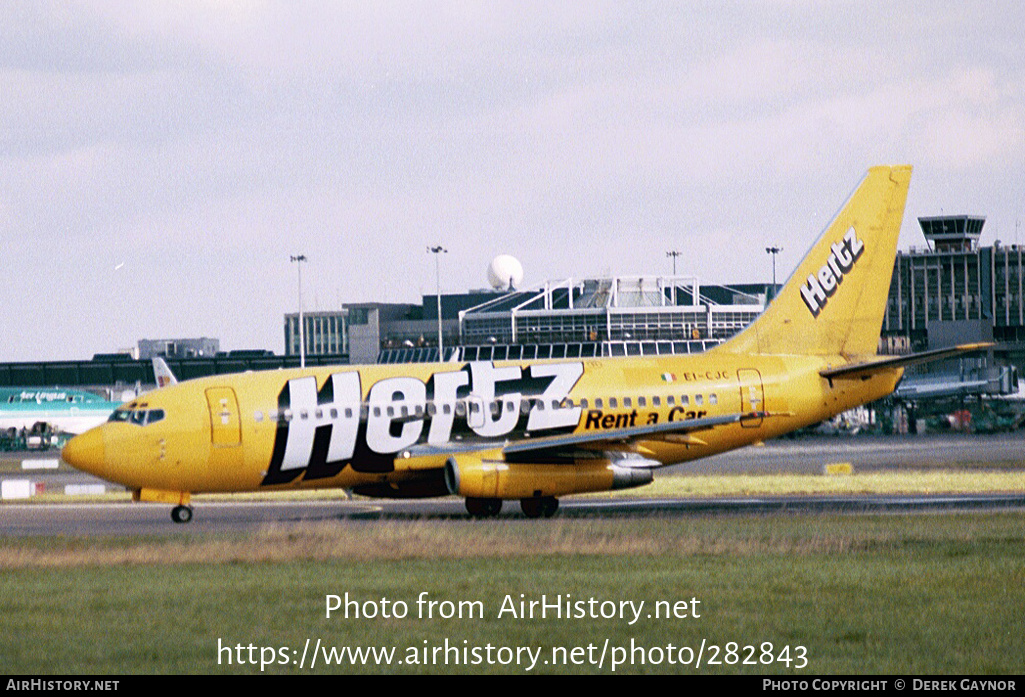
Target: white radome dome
[(505, 272)]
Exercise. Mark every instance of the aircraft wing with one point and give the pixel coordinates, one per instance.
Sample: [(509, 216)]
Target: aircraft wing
[(589, 444), (554, 448), (866, 369)]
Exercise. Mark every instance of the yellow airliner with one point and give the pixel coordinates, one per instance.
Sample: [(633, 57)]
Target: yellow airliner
[(533, 431)]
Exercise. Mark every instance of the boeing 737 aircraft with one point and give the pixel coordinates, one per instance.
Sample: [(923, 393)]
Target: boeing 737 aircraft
[(532, 431), (69, 411)]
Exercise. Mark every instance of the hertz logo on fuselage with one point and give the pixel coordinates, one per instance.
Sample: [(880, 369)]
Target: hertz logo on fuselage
[(820, 287)]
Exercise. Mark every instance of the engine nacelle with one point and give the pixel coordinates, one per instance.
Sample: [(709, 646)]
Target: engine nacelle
[(489, 476)]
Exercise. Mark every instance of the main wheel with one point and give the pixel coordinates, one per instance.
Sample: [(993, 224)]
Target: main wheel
[(538, 507), (483, 508), (181, 514)]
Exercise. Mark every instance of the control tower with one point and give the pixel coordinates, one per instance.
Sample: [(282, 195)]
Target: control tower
[(953, 233)]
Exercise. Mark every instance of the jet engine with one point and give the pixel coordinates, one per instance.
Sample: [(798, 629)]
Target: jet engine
[(489, 477)]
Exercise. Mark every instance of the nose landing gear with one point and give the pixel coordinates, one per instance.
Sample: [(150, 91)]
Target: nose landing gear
[(181, 514)]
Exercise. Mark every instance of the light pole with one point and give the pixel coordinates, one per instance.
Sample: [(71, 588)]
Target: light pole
[(302, 330), (437, 252), (674, 254), (773, 251)]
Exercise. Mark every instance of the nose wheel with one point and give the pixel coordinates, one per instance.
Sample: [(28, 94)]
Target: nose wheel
[(181, 514)]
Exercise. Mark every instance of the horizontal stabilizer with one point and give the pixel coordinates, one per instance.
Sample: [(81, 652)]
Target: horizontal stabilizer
[(868, 368)]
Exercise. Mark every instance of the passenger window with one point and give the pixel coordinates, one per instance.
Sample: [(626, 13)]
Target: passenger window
[(613, 403), (642, 402), (258, 416), (627, 403), (656, 401), (583, 404), (699, 400), (713, 399), (598, 403), (684, 400), (670, 401)]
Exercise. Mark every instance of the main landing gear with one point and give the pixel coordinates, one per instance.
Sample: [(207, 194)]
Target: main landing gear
[(537, 507), (483, 508), (181, 514), (540, 507)]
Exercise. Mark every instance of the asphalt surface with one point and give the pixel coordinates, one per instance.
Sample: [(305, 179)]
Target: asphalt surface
[(805, 455)]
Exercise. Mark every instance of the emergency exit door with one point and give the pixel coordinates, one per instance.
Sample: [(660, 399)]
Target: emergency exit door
[(752, 396)]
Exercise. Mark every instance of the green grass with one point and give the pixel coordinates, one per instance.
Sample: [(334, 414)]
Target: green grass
[(920, 594)]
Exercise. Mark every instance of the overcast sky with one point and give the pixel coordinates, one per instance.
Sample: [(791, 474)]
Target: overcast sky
[(162, 161)]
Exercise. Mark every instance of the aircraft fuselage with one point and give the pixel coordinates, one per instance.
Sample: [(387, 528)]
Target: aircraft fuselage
[(347, 426)]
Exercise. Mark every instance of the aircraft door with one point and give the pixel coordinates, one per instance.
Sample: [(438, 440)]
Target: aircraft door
[(225, 421), (752, 396)]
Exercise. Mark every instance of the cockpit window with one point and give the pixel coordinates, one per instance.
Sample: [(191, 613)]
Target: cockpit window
[(139, 417), (120, 415)]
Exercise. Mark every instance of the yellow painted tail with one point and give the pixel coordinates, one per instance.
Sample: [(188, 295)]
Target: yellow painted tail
[(834, 302)]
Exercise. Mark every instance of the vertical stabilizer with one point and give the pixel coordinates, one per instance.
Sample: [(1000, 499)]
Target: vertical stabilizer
[(834, 302), (163, 373)]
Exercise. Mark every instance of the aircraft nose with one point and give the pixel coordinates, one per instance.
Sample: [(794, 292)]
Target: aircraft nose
[(86, 452)]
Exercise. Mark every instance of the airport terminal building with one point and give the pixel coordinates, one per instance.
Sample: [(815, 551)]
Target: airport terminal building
[(955, 291), (951, 291), (615, 316), (571, 318)]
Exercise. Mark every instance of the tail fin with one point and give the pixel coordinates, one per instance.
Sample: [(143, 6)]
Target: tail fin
[(834, 302), (163, 373)]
